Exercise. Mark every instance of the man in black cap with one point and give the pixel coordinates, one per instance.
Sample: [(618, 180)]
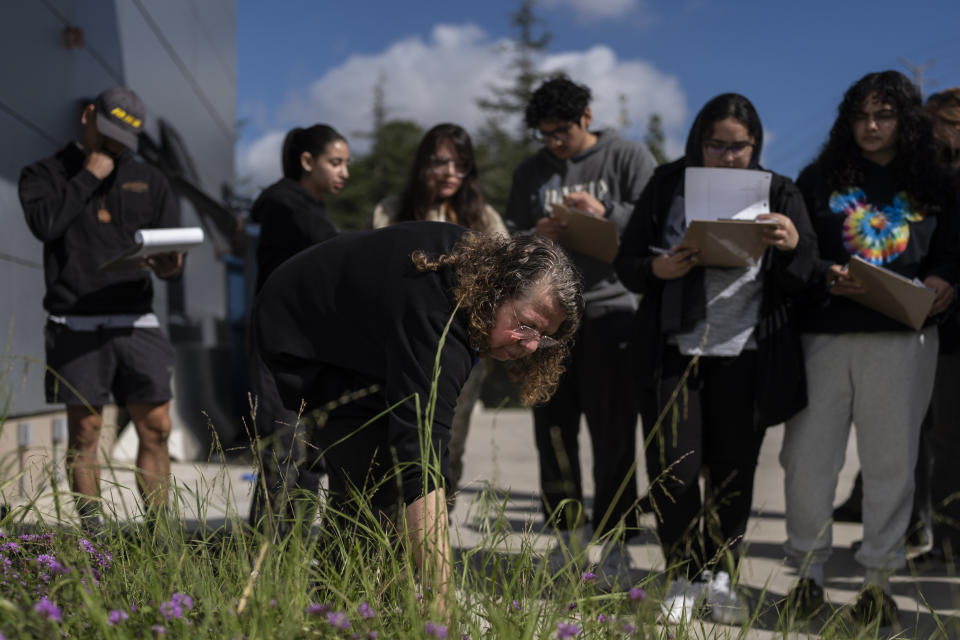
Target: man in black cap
[(85, 203)]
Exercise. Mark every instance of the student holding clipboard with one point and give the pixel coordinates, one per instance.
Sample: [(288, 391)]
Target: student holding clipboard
[(875, 192), (750, 372)]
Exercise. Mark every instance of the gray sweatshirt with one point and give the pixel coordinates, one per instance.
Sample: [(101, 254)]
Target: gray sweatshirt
[(614, 171)]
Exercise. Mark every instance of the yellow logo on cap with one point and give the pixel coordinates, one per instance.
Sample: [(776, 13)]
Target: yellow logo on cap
[(126, 117)]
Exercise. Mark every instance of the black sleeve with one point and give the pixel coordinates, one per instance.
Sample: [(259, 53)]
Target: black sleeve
[(518, 217), (797, 269), (943, 260), (634, 260), (810, 185), (51, 202), (422, 381)]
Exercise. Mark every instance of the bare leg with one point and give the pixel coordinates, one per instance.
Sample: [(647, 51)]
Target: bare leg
[(82, 468), (153, 457)]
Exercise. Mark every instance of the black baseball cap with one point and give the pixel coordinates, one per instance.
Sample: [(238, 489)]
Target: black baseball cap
[(120, 115)]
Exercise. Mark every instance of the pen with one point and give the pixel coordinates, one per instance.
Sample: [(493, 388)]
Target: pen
[(660, 251)]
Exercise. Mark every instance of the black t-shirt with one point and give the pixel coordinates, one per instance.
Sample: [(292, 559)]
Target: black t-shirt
[(355, 309), (85, 222)]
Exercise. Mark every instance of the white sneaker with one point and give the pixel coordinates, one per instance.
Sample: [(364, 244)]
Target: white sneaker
[(681, 599), (570, 549), (614, 570), (725, 606)]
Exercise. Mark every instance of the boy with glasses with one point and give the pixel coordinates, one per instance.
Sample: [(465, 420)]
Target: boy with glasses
[(599, 173)]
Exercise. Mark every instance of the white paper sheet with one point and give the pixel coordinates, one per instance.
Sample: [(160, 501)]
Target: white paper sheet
[(152, 241), (716, 194)]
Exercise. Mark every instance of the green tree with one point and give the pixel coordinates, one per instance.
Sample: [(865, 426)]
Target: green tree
[(655, 139)]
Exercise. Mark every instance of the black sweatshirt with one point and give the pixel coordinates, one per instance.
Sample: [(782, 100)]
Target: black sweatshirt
[(356, 308), (84, 222), (290, 221), (878, 221)]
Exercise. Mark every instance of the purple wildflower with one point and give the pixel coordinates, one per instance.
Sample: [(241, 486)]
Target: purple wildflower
[(339, 620), (50, 563), (571, 606), (86, 545), (117, 616), (10, 546), (47, 608), (435, 630), (366, 611), (182, 600), (601, 617), (516, 606), (567, 630), (637, 593), (316, 609), (373, 635), (628, 628), (588, 576), (159, 629)]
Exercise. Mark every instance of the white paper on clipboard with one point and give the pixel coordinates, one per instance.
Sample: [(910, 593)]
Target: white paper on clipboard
[(149, 242), (715, 194)]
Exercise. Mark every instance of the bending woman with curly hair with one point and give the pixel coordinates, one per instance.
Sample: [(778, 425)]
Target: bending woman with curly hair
[(400, 315), (876, 192)]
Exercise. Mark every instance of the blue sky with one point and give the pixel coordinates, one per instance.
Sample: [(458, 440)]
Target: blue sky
[(307, 61)]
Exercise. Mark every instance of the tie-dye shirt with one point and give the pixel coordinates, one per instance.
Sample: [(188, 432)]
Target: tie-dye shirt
[(880, 221)]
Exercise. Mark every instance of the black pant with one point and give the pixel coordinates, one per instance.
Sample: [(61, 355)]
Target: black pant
[(599, 384), (710, 426), (287, 468)]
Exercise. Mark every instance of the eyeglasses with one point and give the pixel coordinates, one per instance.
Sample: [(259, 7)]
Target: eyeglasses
[(440, 165), (559, 134), (883, 117), (523, 333), (718, 149)]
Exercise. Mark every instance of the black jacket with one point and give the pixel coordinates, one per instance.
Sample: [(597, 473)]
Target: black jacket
[(781, 389), (932, 245), (84, 222), (355, 308), (290, 221)]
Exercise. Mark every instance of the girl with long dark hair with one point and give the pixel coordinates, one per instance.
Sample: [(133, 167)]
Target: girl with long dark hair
[(876, 192), (443, 188), (749, 375)]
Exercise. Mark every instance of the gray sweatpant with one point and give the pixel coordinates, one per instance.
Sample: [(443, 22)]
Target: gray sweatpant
[(882, 383)]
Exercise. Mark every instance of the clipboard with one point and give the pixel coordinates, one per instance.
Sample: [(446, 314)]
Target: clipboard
[(587, 234), (150, 242), (726, 243), (891, 294)]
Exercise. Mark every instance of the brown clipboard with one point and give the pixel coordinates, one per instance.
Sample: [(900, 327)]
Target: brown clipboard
[(726, 243), (588, 234), (891, 294)]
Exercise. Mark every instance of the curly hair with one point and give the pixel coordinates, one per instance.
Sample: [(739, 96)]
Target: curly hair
[(491, 270), (467, 203), (557, 99), (840, 158)]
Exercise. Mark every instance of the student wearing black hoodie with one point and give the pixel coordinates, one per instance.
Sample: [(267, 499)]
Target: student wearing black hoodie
[(292, 217), (876, 191), (750, 371)]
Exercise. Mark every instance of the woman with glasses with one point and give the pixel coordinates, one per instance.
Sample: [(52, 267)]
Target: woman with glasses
[(443, 188), (292, 217), (376, 333), (749, 375), (876, 192)]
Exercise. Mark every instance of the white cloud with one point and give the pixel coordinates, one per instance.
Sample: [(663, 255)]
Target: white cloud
[(439, 79), (598, 9)]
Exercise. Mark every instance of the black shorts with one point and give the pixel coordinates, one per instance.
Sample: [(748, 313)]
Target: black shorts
[(134, 364)]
